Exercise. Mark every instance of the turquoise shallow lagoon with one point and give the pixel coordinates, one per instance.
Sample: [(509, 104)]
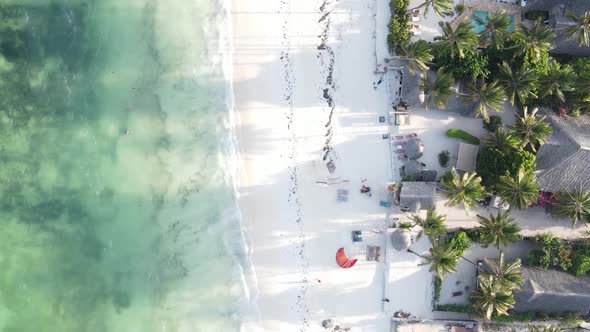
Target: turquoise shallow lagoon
[(117, 207)]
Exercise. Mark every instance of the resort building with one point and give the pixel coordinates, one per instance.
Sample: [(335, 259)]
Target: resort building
[(552, 291), (563, 162), (557, 19), (416, 196)]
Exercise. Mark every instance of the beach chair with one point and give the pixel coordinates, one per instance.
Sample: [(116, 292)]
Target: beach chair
[(342, 195), (416, 15), (357, 236)]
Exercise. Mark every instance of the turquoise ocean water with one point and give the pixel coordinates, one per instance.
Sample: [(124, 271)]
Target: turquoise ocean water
[(117, 210)]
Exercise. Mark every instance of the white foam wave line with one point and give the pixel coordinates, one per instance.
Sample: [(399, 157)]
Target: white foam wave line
[(247, 270)]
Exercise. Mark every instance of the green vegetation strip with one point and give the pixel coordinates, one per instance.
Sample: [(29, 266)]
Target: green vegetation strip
[(399, 33), (462, 135)]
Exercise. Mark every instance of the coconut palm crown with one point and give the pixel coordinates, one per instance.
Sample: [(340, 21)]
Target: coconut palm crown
[(417, 54), (442, 259), (465, 190), (492, 297), (441, 7), (495, 29), (520, 190), (438, 91), (574, 205), (502, 140), (531, 129), (507, 273), (488, 97), (559, 79), (498, 230), (519, 85), (456, 42), (433, 225), (580, 30), (535, 39)]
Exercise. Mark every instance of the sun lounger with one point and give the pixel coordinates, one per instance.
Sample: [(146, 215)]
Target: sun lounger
[(357, 236), (373, 253), (342, 195)]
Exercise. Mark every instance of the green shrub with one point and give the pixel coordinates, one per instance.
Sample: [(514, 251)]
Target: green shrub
[(475, 235), (534, 15), (570, 321), (538, 258), (399, 33), (555, 252), (437, 283), (462, 135), (471, 65), (513, 317), (580, 263), (459, 242), (443, 158), (493, 163), (494, 124), (460, 8), (448, 176)]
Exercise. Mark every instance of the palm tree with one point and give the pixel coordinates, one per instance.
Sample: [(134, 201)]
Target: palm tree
[(465, 190), (433, 225), (498, 230), (519, 191), (439, 91), (501, 139), (495, 28), (532, 130), (508, 274), (487, 97), (557, 80), (441, 257), (519, 84), (455, 42), (417, 54), (441, 7), (574, 205), (581, 28), (491, 297), (535, 39)]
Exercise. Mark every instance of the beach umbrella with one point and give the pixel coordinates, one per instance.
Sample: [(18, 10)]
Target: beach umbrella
[(401, 240), (414, 148)]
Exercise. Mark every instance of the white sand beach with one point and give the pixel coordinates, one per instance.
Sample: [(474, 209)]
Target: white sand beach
[(284, 88)]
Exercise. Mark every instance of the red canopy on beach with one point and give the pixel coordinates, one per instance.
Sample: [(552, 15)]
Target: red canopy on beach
[(343, 261)]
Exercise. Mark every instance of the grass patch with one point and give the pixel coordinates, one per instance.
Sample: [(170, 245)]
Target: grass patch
[(463, 308), (462, 135)]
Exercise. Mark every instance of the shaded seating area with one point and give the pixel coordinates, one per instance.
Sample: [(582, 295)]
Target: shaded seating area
[(401, 239)]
